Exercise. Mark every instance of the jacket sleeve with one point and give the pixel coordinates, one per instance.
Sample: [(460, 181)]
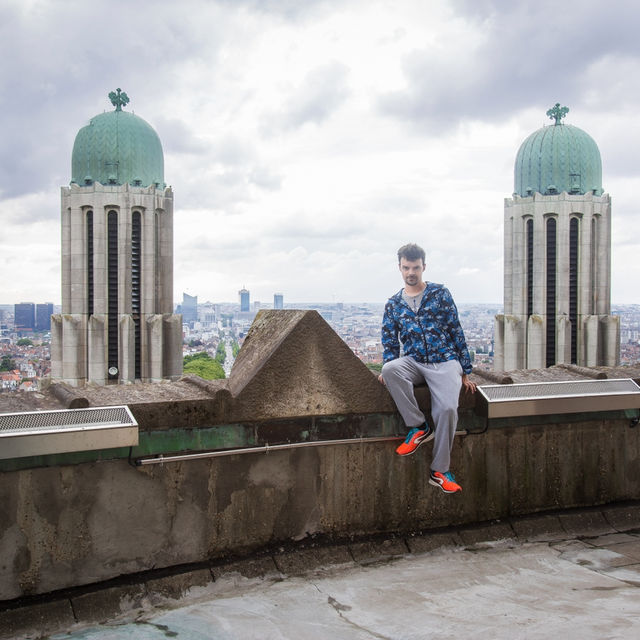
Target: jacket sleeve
[(455, 331), (390, 342)]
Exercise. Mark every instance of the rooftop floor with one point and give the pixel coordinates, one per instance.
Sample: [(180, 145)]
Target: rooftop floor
[(571, 575)]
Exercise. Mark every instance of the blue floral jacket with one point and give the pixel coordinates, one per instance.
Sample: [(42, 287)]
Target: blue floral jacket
[(433, 334)]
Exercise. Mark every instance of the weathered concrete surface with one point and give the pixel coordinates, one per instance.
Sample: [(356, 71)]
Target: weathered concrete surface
[(505, 592), (76, 525), (292, 363), (581, 586), (36, 620)]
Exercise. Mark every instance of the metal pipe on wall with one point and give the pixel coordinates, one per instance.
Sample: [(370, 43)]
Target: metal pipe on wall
[(161, 459)]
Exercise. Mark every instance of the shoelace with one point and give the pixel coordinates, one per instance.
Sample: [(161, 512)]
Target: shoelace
[(411, 434)]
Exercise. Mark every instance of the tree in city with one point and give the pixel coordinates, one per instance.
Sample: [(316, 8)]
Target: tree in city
[(7, 364), (203, 365), (221, 353), (25, 342)]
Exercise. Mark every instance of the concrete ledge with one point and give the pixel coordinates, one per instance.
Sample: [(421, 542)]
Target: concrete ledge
[(298, 562), (249, 568), (105, 604), (561, 531), (431, 541), (37, 619), (587, 524), (377, 551), (68, 396), (623, 518), (613, 540), (486, 533), (544, 528), (175, 586)]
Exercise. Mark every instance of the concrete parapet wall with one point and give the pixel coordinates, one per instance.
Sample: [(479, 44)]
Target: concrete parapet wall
[(76, 520), (73, 525)]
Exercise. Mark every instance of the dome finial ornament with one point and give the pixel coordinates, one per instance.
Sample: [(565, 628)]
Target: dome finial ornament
[(556, 112), (119, 99)]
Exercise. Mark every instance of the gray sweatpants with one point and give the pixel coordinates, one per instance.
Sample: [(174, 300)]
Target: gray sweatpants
[(444, 380)]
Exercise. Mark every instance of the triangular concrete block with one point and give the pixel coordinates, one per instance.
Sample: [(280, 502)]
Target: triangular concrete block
[(292, 363)]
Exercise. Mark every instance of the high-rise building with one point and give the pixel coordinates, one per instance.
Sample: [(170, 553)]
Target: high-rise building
[(189, 309), (557, 255), (278, 301), (24, 316), (116, 323), (245, 303), (43, 316)]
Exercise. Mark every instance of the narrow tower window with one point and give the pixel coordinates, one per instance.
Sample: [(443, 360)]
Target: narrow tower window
[(551, 292), (90, 263), (112, 293), (574, 229), (136, 234), (156, 263), (594, 266), (529, 268)]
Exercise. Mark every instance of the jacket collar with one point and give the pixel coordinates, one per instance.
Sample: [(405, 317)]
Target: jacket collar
[(398, 299)]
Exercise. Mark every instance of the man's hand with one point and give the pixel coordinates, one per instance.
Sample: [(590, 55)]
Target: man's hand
[(467, 384), (381, 379)]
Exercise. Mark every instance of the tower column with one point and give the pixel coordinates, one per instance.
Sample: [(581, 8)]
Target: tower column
[(557, 288)]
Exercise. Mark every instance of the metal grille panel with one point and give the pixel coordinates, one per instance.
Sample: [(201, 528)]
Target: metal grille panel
[(67, 430), (547, 398), (66, 419)]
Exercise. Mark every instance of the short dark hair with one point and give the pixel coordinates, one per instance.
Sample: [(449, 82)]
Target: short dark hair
[(411, 253)]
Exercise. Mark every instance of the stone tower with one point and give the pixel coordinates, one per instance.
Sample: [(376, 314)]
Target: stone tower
[(557, 255), (116, 323)]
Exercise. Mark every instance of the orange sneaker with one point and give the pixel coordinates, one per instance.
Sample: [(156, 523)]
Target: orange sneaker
[(414, 439), (446, 481)]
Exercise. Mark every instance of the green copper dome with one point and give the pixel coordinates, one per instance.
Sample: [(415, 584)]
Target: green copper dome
[(117, 147), (558, 158)]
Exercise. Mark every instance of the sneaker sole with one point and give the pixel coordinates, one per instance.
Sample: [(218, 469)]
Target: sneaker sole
[(422, 441), (435, 483)]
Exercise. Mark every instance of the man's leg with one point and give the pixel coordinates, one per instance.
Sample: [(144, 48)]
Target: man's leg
[(445, 381), (399, 376)]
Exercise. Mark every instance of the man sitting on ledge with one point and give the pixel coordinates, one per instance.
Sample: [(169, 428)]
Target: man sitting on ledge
[(424, 318)]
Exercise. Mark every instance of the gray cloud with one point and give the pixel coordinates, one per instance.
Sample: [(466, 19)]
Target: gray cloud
[(315, 233), (235, 151), (177, 137), (224, 191), (61, 60), (293, 10), (265, 178), (322, 91), (532, 54), (618, 148)]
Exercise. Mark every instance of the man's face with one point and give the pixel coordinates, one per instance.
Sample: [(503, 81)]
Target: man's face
[(411, 271)]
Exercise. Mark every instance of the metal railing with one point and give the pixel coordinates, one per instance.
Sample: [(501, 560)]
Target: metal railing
[(161, 458)]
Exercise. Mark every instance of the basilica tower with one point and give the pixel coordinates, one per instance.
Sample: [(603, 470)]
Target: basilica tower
[(117, 322), (557, 255)]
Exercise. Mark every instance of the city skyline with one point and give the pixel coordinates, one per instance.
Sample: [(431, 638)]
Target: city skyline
[(305, 142)]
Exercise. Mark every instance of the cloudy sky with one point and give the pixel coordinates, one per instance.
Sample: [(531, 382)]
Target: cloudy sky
[(306, 140)]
